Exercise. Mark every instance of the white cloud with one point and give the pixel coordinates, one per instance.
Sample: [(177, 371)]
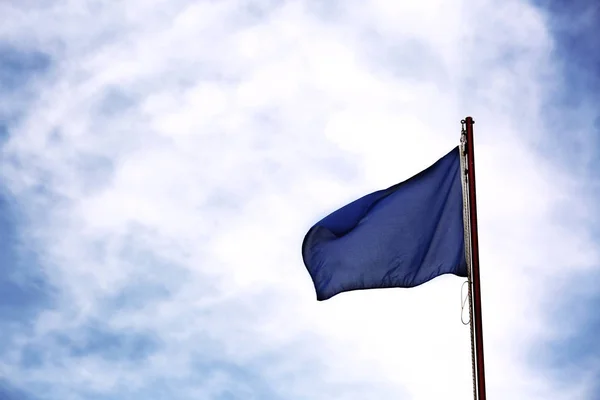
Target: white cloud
[(188, 148)]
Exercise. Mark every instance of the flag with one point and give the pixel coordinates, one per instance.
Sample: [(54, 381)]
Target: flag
[(402, 236)]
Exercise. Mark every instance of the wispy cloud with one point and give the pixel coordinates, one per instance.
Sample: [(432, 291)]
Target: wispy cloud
[(166, 158)]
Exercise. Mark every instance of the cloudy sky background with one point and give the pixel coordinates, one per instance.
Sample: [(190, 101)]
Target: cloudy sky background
[(161, 161)]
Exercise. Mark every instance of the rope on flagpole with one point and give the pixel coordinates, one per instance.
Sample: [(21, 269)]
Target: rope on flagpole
[(463, 302), (467, 233)]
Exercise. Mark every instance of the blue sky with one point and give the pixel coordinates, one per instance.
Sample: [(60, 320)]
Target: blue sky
[(160, 162)]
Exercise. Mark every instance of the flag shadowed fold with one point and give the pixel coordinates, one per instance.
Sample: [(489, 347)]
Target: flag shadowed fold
[(402, 236)]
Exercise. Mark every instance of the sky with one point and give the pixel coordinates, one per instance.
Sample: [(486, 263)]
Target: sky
[(161, 161)]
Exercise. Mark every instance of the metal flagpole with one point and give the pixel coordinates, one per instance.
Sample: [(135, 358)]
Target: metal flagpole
[(470, 149)]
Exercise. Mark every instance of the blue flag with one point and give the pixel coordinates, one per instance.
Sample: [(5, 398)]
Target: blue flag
[(402, 236)]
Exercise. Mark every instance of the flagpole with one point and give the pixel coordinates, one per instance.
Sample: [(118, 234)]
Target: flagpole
[(475, 260)]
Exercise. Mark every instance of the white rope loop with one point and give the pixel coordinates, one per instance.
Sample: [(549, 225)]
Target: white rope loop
[(463, 302)]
